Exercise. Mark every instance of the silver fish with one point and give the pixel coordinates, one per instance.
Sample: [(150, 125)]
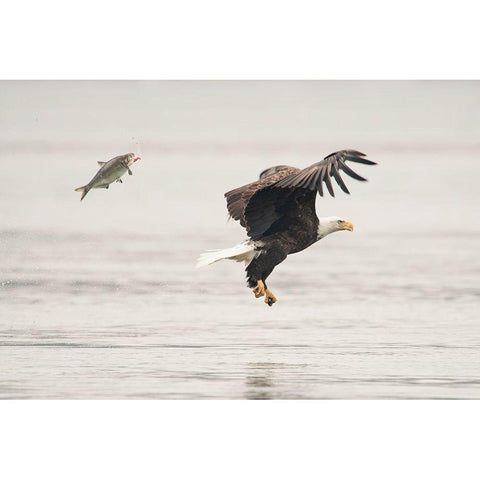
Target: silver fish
[(110, 172)]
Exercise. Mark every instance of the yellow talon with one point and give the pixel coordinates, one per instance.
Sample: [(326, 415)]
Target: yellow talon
[(270, 298), (259, 290)]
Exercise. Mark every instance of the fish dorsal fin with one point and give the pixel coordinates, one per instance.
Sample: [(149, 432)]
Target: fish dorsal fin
[(101, 163)]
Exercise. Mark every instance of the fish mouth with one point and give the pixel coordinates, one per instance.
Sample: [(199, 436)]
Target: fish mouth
[(136, 158)]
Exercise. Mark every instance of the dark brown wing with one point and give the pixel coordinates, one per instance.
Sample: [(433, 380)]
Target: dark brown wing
[(238, 199), (311, 178), (287, 196), (272, 210)]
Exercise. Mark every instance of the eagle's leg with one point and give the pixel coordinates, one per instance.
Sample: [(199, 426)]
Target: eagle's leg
[(261, 267), (270, 298), (259, 290)]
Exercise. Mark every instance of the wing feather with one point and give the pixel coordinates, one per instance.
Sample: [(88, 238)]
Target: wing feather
[(339, 179), (328, 182), (330, 166), (351, 173), (319, 184)]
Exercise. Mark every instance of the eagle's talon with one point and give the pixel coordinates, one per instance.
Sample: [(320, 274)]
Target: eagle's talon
[(259, 290), (270, 298)]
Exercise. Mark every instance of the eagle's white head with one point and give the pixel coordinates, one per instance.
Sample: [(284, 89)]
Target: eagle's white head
[(329, 225)]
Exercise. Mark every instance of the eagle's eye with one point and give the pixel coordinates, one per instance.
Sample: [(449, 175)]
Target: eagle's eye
[(340, 221)]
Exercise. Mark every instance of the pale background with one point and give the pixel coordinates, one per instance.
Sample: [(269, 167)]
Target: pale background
[(99, 299)]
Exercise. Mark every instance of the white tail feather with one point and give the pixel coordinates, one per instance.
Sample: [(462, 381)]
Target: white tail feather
[(244, 252)]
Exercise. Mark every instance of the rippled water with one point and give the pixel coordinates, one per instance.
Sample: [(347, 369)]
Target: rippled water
[(100, 299)]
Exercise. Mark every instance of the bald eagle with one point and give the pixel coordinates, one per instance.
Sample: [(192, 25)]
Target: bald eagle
[(278, 212)]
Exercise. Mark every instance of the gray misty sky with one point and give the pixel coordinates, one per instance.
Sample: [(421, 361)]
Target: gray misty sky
[(172, 113), (198, 139)]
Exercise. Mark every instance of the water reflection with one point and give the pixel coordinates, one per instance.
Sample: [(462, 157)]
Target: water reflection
[(260, 380), (264, 380)]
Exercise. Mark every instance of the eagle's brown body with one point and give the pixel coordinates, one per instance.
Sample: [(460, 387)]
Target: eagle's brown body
[(256, 205)]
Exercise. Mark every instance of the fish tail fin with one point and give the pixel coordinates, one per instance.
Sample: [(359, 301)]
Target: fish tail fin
[(244, 252), (84, 191)]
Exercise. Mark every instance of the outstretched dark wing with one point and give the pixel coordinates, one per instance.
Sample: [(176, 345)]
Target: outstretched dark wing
[(272, 210), (311, 178), (287, 195), (237, 200)]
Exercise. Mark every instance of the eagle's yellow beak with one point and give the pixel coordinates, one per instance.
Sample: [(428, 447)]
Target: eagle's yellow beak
[(347, 226)]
